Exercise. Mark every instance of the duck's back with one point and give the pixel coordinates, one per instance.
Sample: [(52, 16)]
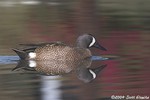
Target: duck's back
[(61, 52)]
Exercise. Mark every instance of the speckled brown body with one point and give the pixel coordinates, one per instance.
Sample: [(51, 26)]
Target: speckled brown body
[(61, 52)]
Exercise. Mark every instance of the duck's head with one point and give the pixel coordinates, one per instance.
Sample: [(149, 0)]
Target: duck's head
[(87, 41)]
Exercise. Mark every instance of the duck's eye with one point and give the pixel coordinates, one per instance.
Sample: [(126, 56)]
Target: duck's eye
[(92, 42)]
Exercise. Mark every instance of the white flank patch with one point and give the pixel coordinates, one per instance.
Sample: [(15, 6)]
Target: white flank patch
[(93, 41), (94, 75), (32, 55), (32, 63)]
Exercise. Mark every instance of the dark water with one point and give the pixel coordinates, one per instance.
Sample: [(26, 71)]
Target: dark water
[(123, 30)]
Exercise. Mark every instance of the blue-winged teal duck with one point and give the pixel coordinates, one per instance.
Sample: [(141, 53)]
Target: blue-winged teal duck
[(81, 68)]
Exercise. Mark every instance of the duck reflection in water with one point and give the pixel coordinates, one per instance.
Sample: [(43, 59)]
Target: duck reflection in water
[(81, 69), (57, 58)]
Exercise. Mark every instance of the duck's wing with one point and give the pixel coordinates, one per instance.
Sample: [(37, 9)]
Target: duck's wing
[(43, 44), (35, 45), (31, 47)]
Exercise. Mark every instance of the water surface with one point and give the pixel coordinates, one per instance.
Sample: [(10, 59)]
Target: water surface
[(123, 30)]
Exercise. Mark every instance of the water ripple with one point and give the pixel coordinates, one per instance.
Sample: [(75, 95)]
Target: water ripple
[(8, 59)]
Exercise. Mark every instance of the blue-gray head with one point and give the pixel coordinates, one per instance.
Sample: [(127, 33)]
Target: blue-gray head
[(87, 41)]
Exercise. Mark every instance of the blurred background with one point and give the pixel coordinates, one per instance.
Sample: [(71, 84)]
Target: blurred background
[(121, 26)]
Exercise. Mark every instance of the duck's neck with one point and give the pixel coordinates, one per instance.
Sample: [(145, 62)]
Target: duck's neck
[(81, 44)]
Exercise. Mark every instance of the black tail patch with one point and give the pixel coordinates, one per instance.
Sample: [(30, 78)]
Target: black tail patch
[(23, 64), (20, 53)]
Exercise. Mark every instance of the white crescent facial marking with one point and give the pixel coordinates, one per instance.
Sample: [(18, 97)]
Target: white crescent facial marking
[(94, 75), (93, 41), (32, 55), (32, 63)]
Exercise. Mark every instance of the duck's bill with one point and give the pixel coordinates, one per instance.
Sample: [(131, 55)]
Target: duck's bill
[(97, 45)]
